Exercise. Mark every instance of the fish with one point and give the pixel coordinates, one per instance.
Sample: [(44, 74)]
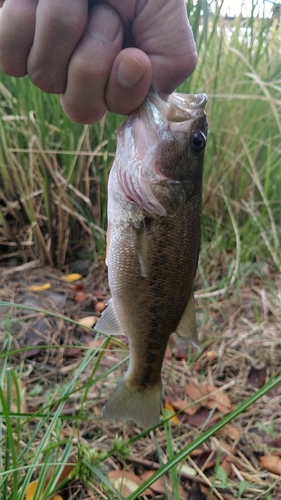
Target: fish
[(153, 243)]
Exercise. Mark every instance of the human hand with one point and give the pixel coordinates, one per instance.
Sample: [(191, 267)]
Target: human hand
[(102, 59)]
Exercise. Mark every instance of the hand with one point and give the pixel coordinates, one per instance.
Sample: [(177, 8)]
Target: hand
[(98, 59)]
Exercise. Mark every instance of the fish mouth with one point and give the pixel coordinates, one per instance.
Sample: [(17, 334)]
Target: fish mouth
[(179, 111)]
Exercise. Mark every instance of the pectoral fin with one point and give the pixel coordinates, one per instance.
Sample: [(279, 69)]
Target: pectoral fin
[(186, 328), (108, 322), (142, 247)]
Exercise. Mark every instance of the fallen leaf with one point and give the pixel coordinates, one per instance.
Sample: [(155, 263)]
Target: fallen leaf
[(30, 491), (207, 460), (159, 486), (71, 277), (170, 411), (257, 377), (39, 288), (126, 482), (72, 352), (209, 396), (217, 399), (208, 494), (226, 465), (184, 406), (229, 431), (88, 321), (201, 417), (271, 463), (193, 391), (195, 493)]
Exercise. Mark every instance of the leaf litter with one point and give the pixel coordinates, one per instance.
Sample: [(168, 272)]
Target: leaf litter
[(241, 350)]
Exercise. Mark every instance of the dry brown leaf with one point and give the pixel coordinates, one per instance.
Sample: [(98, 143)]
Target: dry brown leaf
[(226, 465), (126, 482), (71, 277), (271, 463), (159, 486), (217, 399), (193, 391), (88, 321), (229, 431), (184, 406), (39, 288)]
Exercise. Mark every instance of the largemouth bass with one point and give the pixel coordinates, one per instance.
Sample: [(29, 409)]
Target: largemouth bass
[(153, 240)]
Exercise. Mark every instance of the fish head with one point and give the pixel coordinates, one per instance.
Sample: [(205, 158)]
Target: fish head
[(163, 143)]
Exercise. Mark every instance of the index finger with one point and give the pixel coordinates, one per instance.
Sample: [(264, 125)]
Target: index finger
[(17, 27)]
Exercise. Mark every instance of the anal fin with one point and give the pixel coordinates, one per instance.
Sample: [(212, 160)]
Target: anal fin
[(108, 323), (186, 328)]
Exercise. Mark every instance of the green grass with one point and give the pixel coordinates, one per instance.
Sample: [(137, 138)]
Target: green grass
[(53, 177), (53, 173), (34, 442)]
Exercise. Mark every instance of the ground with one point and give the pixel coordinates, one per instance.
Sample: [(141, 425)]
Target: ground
[(239, 331)]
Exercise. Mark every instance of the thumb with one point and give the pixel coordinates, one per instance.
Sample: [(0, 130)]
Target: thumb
[(162, 30)]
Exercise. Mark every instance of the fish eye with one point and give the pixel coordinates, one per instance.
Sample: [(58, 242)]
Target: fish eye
[(197, 142)]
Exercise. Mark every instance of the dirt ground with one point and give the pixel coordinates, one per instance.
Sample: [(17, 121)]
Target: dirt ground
[(240, 336)]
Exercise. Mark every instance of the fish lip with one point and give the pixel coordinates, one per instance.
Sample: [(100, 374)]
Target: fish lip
[(179, 108)]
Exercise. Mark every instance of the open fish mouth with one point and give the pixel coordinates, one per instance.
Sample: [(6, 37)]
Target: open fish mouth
[(178, 108)]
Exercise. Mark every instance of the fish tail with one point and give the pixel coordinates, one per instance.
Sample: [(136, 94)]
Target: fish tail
[(131, 402)]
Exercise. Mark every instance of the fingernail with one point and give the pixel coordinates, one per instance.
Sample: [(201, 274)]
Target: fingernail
[(130, 72), (104, 24)]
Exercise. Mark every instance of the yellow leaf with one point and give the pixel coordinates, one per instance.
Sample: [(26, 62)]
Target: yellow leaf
[(72, 277), (30, 490), (57, 497), (170, 411), (39, 288), (88, 321)]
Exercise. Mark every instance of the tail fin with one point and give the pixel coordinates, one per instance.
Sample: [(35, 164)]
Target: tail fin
[(130, 402)]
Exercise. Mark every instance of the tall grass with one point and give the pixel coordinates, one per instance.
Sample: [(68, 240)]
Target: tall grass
[(53, 173), (239, 68)]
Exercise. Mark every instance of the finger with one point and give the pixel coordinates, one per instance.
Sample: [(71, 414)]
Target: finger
[(17, 26), (59, 26), (129, 81), (90, 66), (162, 30)]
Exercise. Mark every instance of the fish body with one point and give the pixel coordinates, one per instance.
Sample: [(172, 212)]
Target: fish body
[(154, 214)]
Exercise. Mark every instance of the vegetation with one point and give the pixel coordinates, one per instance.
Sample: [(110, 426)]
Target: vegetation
[(53, 177)]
